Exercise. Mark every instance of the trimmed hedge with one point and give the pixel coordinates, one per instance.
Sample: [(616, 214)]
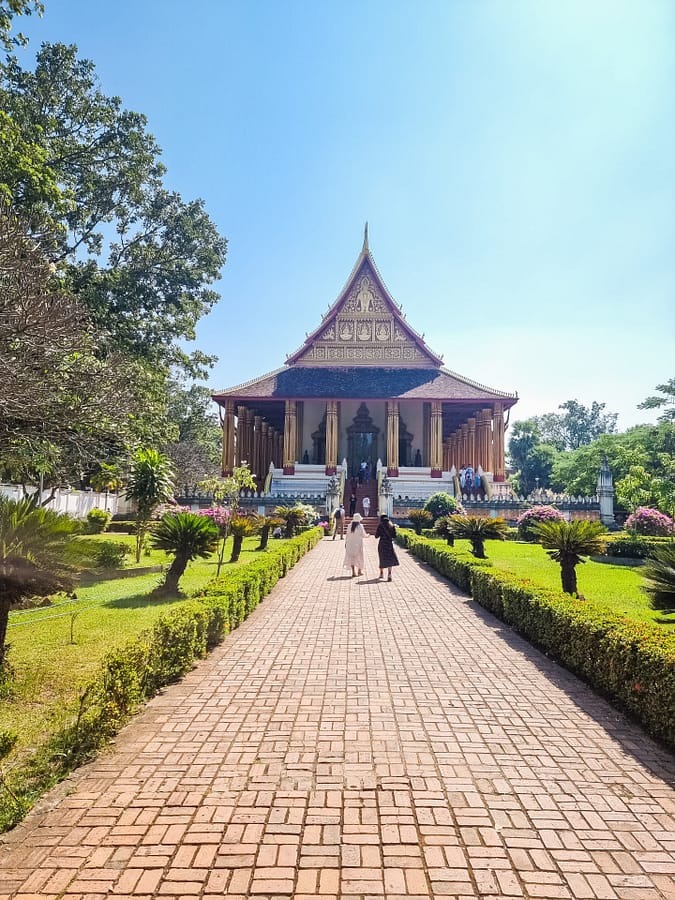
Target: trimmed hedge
[(633, 546), (631, 663), (132, 674)]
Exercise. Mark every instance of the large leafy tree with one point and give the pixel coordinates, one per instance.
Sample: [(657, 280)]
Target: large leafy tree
[(197, 451), (576, 425), (139, 256), (8, 10), (62, 403), (665, 402), (530, 457)]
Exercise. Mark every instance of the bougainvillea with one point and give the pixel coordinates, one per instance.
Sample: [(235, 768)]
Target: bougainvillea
[(534, 516), (650, 522)]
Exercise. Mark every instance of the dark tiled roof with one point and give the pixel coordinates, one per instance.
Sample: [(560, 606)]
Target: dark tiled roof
[(306, 382)]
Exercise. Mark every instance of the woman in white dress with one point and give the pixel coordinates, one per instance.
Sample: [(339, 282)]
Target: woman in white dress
[(354, 546)]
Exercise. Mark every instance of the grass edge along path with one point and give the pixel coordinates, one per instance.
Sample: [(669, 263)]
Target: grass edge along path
[(132, 674), (631, 663)]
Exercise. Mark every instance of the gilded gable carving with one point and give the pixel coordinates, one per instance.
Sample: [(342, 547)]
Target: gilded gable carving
[(363, 330)]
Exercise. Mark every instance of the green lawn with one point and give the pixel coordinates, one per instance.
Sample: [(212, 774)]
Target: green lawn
[(49, 670), (608, 586)]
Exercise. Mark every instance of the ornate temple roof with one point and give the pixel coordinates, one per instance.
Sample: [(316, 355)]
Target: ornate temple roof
[(364, 348), (357, 382)]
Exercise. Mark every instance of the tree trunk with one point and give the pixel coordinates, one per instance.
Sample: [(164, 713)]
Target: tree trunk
[(568, 576), (264, 537), (174, 574), (4, 619), (236, 547), (450, 539), (478, 547)]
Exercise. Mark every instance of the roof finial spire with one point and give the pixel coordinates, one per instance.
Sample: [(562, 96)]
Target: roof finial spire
[(365, 248)]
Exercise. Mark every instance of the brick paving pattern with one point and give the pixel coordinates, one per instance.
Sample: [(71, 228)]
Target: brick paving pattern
[(361, 739)]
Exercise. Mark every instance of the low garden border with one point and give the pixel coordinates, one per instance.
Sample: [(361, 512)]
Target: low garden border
[(134, 673), (630, 663)]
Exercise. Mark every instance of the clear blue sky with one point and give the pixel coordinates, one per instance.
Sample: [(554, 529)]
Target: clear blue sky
[(515, 161)]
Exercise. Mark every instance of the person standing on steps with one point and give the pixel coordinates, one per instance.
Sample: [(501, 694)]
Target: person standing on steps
[(354, 546), (385, 534), (339, 520), (366, 506), (352, 504)]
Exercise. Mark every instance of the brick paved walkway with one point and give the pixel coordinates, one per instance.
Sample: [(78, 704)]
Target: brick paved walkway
[(359, 739)]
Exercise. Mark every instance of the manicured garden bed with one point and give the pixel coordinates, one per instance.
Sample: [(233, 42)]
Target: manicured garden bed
[(126, 644), (629, 661)]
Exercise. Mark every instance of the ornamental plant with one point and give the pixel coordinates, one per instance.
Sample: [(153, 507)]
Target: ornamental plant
[(221, 519), (650, 522), (534, 516), (567, 542), (420, 518), (659, 574), (443, 504), (477, 530), (187, 536)]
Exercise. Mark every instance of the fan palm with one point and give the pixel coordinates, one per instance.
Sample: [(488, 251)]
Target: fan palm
[(443, 528), (477, 530), (188, 536), (420, 518), (150, 483), (292, 517), (32, 555), (267, 523), (659, 573), (567, 542), (241, 527)]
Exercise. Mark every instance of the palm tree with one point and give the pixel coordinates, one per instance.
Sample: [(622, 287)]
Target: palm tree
[(478, 529), (567, 542), (443, 528), (420, 518), (292, 516), (659, 572), (241, 527), (266, 524), (188, 536), (32, 555), (150, 483)]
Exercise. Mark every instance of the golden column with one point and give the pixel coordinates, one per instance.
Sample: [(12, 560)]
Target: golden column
[(241, 435), (471, 442), (498, 442), (279, 446), (436, 442), (487, 462), (256, 463), (290, 437), (392, 438), (249, 438), (228, 437), (264, 450), (331, 437), (464, 445)]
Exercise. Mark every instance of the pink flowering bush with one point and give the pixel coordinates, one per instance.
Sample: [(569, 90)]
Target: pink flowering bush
[(534, 516), (650, 522), (218, 515)]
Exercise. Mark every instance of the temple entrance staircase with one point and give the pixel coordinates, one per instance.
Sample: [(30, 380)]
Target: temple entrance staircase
[(364, 489)]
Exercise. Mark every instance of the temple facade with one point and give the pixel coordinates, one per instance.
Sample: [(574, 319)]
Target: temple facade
[(364, 387)]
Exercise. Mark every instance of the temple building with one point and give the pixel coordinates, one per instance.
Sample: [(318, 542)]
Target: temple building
[(364, 387)]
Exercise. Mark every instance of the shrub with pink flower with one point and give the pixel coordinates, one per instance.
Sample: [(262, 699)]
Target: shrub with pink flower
[(219, 515), (534, 516), (650, 522)]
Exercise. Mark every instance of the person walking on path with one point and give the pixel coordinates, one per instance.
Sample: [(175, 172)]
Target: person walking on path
[(354, 546), (352, 504), (385, 533), (366, 506), (339, 522)]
